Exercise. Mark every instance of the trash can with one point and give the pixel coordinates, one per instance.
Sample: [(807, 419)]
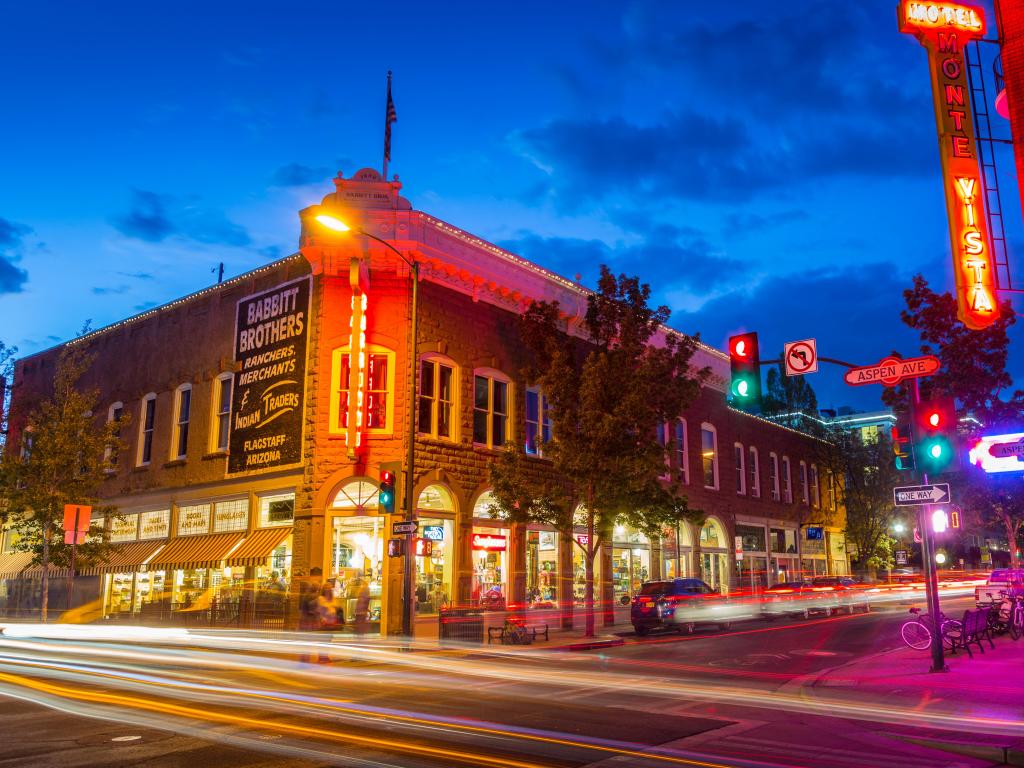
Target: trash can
[(461, 625)]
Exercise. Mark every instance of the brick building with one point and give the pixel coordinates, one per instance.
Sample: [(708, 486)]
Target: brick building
[(244, 470)]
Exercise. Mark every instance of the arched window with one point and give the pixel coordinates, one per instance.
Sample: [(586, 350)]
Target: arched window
[(805, 494), (712, 535), (787, 481), (773, 475), (815, 488), (357, 496), (435, 498), (486, 506)]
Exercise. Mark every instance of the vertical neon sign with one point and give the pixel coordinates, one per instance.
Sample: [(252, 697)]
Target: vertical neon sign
[(944, 29)]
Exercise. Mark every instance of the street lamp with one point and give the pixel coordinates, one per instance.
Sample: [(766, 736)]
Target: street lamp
[(408, 586)]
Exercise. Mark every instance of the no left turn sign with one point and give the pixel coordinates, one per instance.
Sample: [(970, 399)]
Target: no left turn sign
[(801, 357)]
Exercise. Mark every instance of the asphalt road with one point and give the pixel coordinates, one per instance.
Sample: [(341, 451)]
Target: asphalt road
[(735, 698)]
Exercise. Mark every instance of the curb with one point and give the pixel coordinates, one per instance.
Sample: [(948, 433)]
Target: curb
[(587, 645), (1012, 754)]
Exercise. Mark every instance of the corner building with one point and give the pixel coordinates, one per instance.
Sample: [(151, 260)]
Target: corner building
[(246, 465)]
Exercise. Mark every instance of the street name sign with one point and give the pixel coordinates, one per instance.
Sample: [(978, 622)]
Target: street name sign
[(1008, 450), (892, 370), (801, 357), (914, 495), (397, 529)]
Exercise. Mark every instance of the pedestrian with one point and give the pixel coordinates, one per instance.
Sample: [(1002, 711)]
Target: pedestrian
[(309, 613), (362, 612)]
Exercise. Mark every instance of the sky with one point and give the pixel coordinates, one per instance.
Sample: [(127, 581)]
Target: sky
[(765, 167)]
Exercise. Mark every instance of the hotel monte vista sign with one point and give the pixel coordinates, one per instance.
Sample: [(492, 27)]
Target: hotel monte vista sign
[(267, 403)]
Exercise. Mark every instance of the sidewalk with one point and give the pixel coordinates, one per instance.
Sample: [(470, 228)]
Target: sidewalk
[(984, 694)]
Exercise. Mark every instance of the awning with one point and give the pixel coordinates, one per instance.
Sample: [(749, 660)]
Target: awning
[(36, 572), (125, 558), (257, 548), (13, 563), (195, 552)]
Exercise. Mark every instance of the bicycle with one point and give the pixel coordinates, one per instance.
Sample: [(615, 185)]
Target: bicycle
[(917, 633), (1006, 614)]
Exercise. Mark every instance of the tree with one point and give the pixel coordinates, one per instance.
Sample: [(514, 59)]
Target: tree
[(609, 394), (974, 372), (6, 377), (787, 397), (64, 462)]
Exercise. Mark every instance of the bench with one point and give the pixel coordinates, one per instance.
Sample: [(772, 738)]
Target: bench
[(973, 629), (506, 635)]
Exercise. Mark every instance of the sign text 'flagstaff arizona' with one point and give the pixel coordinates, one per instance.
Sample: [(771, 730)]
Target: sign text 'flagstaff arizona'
[(269, 387), (944, 29), (892, 370)]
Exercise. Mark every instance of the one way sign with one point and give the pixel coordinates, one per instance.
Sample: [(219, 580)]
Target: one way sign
[(913, 495)]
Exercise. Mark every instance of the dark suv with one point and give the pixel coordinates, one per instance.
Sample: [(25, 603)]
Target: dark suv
[(655, 603)]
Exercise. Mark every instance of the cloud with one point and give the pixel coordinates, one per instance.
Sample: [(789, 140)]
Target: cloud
[(12, 241), (110, 290), (298, 175), (270, 252), (666, 252), (745, 223), (154, 217), (144, 306), (138, 275)]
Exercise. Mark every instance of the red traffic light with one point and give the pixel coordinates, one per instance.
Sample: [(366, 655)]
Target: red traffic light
[(387, 476), (936, 415), (743, 347)]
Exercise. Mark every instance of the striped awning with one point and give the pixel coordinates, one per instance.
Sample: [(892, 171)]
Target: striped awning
[(195, 552), (36, 572), (13, 563), (125, 558), (257, 548)]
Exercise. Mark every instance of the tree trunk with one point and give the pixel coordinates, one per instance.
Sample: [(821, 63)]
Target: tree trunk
[(1011, 538), (591, 551), (45, 599)]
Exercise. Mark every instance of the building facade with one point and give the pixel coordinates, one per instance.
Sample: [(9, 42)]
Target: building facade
[(262, 410)]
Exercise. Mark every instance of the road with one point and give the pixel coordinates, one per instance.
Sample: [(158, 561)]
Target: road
[(742, 698)]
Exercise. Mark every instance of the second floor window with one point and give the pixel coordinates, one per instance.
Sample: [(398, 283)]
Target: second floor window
[(114, 416), (183, 412), (377, 384), (490, 411), (222, 416), (815, 490), (147, 419), (682, 455), (787, 488), (773, 475), (437, 398), (741, 475), (754, 465), (538, 422), (709, 455)]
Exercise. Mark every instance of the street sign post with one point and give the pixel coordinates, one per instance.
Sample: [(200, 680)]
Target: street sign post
[(801, 357), (902, 557), (915, 495), (77, 518), (892, 370), (404, 527)]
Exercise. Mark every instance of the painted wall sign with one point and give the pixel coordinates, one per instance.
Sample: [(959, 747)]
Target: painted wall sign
[(269, 389), (944, 29)]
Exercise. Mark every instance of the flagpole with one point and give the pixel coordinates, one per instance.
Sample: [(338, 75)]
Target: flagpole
[(387, 129)]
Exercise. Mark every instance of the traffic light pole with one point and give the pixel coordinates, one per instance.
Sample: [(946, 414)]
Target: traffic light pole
[(409, 580), (931, 576)]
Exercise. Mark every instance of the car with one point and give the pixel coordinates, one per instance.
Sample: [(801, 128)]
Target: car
[(798, 598), (848, 591), (1000, 580), (682, 604)]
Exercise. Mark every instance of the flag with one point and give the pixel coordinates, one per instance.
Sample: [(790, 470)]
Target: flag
[(390, 116)]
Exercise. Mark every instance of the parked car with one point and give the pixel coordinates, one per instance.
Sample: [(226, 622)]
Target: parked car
[(682, 604), (797, 598), (1000, 580)]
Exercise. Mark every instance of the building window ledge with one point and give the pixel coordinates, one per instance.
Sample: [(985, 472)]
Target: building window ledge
[(141, 468), (174, 463), (211, 455)]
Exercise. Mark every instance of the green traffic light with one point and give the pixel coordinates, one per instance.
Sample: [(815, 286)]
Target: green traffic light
[(935, 451), (741, 387)]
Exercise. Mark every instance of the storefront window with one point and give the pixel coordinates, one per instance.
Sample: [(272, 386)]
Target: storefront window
[(783, 540), (541, 567), (753, 537), (155, 525), (277, 510), (357, 560), (193, 519), (490, 566), (579, 572), (231, 515), (712, 535), (434, 571), (190, 589), (631, 568)]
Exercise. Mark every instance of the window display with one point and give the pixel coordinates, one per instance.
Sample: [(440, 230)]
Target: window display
[(490, 567), (542, 568), (434, 572), (357, 555)]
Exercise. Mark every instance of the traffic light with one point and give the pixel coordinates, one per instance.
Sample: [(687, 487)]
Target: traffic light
[(940, 521), (389, 473), (745, 364), (935, 434), (903, 445)]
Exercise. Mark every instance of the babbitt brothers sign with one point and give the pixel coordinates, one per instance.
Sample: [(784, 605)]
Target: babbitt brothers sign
[(270, 385)]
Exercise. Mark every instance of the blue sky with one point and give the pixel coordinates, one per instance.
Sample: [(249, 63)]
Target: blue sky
[(765, 167)]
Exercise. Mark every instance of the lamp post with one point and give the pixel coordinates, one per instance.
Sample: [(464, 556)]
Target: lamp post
[(409, 580)]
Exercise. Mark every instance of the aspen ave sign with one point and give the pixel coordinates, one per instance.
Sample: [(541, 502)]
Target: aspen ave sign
[(270, 385)]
